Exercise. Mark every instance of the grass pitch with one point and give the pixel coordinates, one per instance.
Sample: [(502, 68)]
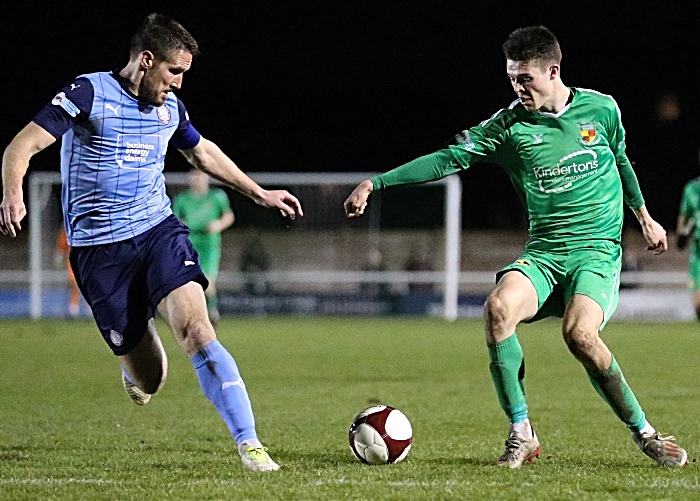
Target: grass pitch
[(68, 430)]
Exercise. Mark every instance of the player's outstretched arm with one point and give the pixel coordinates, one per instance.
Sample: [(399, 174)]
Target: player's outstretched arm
[(654, 233), (15, 162), (209, 158), (430, 167)]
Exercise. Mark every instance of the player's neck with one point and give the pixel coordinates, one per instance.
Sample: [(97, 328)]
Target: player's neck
[(134, 75), (559, 99)]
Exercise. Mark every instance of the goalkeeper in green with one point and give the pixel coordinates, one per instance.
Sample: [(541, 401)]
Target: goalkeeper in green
[(564, 151), (207, 212)]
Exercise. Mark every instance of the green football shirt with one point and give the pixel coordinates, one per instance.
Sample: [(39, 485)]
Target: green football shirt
[(197, 211), (690, 208), (569, 169)]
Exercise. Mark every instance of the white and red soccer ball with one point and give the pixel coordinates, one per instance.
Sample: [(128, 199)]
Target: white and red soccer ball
[(380, 435)]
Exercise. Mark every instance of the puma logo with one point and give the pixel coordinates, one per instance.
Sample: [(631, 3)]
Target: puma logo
[(115, 110)]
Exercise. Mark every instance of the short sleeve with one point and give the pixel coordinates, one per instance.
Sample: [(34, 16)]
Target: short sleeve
[(71, 104), (186, 136)]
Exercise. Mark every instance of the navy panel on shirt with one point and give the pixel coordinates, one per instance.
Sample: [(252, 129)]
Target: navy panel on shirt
[(186, 136), (72, 103)]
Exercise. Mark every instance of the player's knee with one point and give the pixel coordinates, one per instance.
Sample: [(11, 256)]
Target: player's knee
[(197, 333), (496, 310), (581, 341)]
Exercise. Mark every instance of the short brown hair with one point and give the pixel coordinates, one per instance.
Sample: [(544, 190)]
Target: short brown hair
[(162, 36), (532, 43)]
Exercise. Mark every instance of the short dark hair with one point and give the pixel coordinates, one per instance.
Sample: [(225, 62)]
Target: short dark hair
[(532, 43), (162, 36)]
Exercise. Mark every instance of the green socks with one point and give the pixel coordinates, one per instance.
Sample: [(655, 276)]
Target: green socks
[(508, 373), (611, 385)]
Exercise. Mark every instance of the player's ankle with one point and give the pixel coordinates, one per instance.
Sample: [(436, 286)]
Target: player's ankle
[(523, 428), (249, 442)]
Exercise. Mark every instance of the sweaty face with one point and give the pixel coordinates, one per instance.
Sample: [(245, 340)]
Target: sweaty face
[(164, 76), (533, 85)]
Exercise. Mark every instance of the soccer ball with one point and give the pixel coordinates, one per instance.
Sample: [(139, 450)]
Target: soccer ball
[(380, 435)]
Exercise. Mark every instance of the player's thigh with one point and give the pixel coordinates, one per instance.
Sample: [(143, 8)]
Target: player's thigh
[(582, 315), (112, 282), (524, 286), (595, 274), (513, 300), (147, 363), (184, 309)]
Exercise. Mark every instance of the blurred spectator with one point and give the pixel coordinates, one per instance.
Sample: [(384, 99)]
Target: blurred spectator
[(417, 261), (375, 262), (630, 262), (255, 259)]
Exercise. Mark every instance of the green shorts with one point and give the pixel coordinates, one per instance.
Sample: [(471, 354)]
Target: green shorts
[(209, 253), (559, 273), (694, 273)]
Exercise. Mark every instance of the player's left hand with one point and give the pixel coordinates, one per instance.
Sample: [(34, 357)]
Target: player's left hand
[(287, 203), (655, 235)]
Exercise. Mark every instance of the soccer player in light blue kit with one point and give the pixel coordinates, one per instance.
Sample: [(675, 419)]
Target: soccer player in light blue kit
[(130, 254)]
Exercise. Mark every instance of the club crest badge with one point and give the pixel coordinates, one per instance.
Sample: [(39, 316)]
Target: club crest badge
[(589, 134), (116, 337), (164, 115)]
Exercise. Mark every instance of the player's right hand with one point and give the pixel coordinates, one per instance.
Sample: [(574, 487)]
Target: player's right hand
[(287, 203), (12, 211), (356, 203)]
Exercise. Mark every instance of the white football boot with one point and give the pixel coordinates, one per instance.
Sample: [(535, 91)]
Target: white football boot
[(257, 459), (661, 449), (519, 449)]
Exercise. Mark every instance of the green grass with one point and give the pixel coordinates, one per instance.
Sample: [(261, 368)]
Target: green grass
[(68, 430)]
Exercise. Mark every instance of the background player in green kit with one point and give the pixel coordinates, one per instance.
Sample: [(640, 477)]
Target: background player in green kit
[(564, 151), (207, 212), (688, 232)]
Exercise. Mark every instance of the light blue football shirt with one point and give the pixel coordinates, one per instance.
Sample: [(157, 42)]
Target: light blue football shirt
[(112, 157)]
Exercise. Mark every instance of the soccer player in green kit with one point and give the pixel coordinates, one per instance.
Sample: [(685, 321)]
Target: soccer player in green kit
[(207, 212), (688, 232), (564, 151)]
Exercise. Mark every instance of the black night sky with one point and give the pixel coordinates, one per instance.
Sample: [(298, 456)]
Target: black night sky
[(366, 86)]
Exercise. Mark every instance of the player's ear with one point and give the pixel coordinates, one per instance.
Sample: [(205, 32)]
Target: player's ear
[(554, 71), (147, 59)]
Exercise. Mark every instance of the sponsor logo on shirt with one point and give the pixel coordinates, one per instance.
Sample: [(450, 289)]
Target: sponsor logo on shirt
[(135, 151), (537, 138), (164, 115), (464, 139), (61, 100), (572, 167)]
